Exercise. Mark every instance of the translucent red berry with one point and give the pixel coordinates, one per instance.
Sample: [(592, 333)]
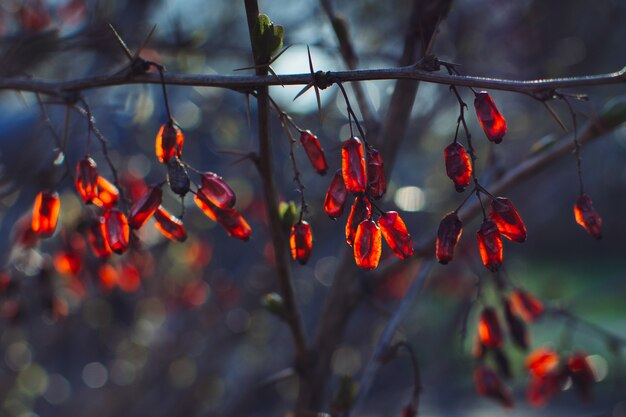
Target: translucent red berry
[(458, 165), (448, 235), (376, 181), (361, 210), (170, 226), (353, 165), (488, 384), (507, 219), (396, 234), (542, 361), (336, 196), (544, 387), (490, 245), (526, 305), (301, 241), (87, 179), (217, 191), (367, 245), (489, 329), (489, 117), (234, 223), (145, 207), (108, 194), (45, 213), (67, 262), (97, 239), (587, 216), (314, 151), (169, 142), (117, 230)]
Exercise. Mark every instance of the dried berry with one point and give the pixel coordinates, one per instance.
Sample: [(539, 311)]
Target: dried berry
[(145, 207), (97, 239), (171, 227), (87, 179), (526, 305), (108, 194), (458, 165), (367, 245), (587, 216), (301, 241), (45, 213), (117, 230), (507, 219), (376, 181), (489, 117), (448, 235), (396, 234), (314, 151), (490, 245), (488, 384), (336, 196), (353, 165), (361, 210), (581, 373), (177, 177), (169, 142), (489, 329), (217, 191)]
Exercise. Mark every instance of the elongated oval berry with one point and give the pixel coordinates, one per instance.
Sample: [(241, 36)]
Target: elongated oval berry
[(396, 234), (587, 216), (170, 226), (314, 151), (169, 142), (117, 230), (177, 177), (489, 329), (517, 328), (301, 241), (217, 191), (544, 387), (507, 219), (490, 245), (361, 210), (448, 235), (488, 384), (489, 117), (87, 179), (542, 361), (336, 196), (353, 165), (376, 181), (367, 245), (45, 213), (97, 239), (526, 305), (145, 207), (234, 223), (108, 194), (458, 165)]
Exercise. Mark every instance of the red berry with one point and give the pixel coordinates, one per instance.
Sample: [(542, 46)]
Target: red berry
[(488, 384), (314, 151), (145, 207), (45, 213), (171, 227), (97, 239), (169, 142), (587, 216), (526, 305), (336, 196), (361, 210), (367, 245), (489, 329), (217, 191), (458, 165), (396, 234), (117, 230), (87, 179), (353, 165), (490, 245), (448, 235), (489, 117), (108, 194), (376, 181), (507, 219), (301, 241)]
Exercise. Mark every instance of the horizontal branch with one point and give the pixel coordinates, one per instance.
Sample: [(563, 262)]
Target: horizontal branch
[(250, 82)]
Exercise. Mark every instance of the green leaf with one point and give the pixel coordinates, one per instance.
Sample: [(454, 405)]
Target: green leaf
[(267, 39), (288, 214)]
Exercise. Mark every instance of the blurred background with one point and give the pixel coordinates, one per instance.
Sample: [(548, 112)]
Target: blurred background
[(174, 329)]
